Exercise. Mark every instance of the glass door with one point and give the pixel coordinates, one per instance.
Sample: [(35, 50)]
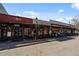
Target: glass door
[(18, 33)]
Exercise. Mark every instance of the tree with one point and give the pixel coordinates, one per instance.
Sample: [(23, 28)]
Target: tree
[(75, 21)]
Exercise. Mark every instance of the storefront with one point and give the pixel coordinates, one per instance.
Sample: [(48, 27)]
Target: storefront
[(14, 27), (5, 31), (43, 28), (28, 31), (17, 28)]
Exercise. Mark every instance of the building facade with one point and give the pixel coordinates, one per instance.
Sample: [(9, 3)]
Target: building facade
[(2, 9), (16, 28)]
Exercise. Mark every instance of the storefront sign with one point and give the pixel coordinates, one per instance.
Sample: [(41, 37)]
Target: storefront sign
[(18, 19)]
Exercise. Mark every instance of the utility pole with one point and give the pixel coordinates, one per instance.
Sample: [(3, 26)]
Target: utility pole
[(50, 31), (36, 28)]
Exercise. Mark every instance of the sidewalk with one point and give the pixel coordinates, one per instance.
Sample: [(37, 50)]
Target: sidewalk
[(49, 48), (11, 45)]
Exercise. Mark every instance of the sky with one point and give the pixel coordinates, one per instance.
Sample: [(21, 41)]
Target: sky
[(63, 12)]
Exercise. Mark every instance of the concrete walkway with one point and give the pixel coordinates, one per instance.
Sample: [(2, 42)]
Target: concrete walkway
[(42, 48)]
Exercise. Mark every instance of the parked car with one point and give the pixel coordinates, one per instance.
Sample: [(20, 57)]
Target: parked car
[(61, 35)]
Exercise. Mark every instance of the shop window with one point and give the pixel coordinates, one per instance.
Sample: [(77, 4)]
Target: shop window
[(46, 31), (40, 32), (26, 31), (33, 32), (9, 31), (0, 33), (4, 32), (0, 30), (30, 32)]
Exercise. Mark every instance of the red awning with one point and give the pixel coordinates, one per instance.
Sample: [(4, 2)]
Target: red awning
[(14, 19)]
